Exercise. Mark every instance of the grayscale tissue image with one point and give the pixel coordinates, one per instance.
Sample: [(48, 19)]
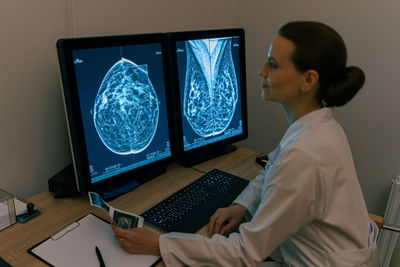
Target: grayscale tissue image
[(126, 108), (211, 90)]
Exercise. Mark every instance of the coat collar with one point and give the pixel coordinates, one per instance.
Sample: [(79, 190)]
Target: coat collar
[(306, 121)]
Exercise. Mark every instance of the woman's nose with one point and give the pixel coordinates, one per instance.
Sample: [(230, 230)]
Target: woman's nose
[(263, 71)]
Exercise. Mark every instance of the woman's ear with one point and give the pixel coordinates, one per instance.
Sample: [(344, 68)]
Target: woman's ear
[(310, 81)]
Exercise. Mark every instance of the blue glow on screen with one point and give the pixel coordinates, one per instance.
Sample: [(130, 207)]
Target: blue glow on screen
[(209, 83), (123, 106)]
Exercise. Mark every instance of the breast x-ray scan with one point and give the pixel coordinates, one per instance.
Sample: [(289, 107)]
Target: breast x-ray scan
[(126, 108), (123, 106), (209, 89)]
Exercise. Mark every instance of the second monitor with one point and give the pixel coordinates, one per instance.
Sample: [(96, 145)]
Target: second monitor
[(208, 72)]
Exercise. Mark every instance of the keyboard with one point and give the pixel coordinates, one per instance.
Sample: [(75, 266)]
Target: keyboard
[(191, 207)]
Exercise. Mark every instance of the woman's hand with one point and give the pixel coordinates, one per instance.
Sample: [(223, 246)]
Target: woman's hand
[(225, 220), (137, 240)]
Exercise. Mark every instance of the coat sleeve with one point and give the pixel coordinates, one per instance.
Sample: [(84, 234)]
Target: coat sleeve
[(251, 196), (286, 205)]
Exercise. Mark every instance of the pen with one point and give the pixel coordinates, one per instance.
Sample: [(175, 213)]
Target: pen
[(98, 253)]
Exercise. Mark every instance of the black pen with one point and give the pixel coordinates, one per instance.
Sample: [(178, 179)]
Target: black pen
[(98, 253)]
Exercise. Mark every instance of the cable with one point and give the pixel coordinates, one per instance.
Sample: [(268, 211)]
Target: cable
[(200, 171)]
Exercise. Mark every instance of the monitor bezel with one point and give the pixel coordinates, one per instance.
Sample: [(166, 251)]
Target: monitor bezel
[(200, 154), (73, 113)]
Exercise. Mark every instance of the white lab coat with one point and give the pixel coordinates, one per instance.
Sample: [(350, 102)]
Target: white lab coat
[(307, 202)]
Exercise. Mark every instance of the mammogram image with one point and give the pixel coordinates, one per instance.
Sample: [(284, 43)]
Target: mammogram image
[(96, 200), (126, 108), (211, 90), (125, 220)]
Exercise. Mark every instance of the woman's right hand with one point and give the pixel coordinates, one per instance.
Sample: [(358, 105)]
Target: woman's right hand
[(225, 220)]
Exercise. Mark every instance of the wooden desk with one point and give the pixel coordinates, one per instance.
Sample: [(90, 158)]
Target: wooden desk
[(59, 213)]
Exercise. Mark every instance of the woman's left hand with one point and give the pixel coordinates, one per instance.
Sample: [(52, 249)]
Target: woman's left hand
[(137, 240)]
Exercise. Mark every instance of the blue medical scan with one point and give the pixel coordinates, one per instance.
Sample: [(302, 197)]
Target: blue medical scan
[(126, 108), (123, 106), (209, 78)]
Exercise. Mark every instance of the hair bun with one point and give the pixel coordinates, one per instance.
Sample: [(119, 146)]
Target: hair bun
[(345, 88)]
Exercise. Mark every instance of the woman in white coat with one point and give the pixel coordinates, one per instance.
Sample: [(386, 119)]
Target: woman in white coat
[(307, 204)]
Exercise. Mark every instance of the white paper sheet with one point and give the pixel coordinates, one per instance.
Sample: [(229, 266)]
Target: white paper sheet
[(75, 246)]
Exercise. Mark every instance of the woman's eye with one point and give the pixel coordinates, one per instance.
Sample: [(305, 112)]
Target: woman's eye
[(273, 66)]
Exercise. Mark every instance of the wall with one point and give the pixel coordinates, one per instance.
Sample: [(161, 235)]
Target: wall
[(34, 141)]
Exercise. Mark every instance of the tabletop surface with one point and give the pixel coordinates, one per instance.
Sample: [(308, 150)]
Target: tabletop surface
[(59, 213)]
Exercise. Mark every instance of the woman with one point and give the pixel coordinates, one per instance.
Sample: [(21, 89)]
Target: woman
[(308, 201)]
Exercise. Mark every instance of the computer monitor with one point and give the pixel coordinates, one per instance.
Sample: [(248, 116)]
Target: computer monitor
[(116, 104), (209, 80)]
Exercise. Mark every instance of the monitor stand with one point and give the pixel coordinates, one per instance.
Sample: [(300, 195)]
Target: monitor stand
[(63, 184), (199, 157), (112, 192)]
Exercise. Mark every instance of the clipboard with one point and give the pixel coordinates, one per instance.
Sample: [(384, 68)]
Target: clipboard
[(75, 246)]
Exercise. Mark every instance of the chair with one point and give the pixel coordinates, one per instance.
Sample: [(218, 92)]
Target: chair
[(377, 219), (380, 222)]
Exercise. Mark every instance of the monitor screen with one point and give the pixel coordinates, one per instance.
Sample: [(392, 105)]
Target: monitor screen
[(210, 81), (115, 94)]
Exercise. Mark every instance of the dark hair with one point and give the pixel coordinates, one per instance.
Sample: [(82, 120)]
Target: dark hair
[(320, 48)]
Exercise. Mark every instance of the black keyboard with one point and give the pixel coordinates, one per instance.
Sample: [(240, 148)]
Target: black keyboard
[(190, 208)]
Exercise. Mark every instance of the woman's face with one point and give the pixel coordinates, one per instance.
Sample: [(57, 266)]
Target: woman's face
[(281, 82)]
